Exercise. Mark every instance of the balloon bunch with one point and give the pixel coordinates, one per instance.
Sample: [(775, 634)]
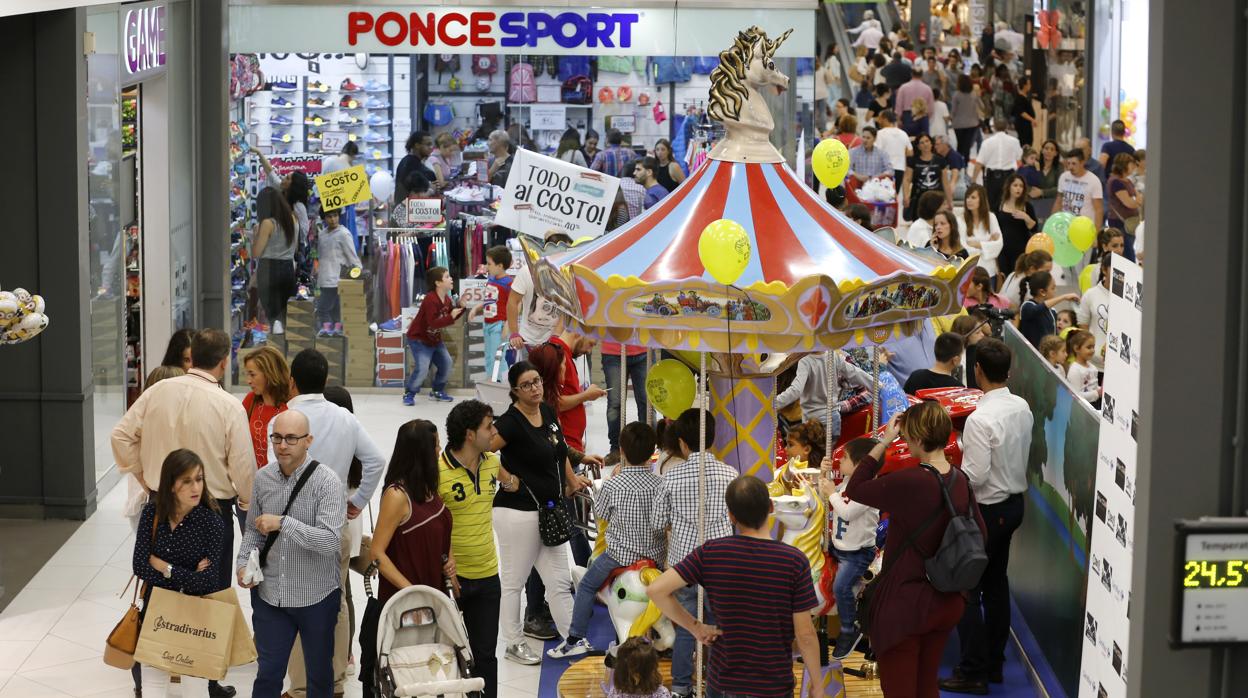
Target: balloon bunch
[(1126, 112), (21, 316), (1066, 237), (382, 185)]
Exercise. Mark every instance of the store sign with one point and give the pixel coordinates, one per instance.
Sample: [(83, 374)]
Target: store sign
[(545, 193), (343, 187), (143, 39), (424, 211), (624, 123), (621, 31), (296, 162)]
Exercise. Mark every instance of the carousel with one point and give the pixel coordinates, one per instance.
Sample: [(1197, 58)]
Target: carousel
[(739, 273)]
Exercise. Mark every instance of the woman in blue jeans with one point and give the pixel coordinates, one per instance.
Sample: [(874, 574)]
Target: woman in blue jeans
[(424, 337)]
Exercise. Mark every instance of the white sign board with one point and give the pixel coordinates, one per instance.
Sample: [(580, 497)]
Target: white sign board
[(423, 211), (624, 123), (545, 193), (472, 292), (1103, 671), (333, 141), (549, 117)]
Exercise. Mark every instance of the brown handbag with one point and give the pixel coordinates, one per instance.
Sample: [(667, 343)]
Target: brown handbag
[(122, 641)]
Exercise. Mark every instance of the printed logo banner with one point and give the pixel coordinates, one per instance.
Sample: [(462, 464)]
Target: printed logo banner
[(1103, 672), (546, 194)]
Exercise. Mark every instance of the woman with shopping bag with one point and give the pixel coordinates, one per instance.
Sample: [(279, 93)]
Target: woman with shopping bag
[(178, 542)]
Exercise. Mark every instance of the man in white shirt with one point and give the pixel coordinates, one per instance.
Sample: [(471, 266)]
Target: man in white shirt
[(338, 437), (1093, 312), (870, 32), (1079, 191), (998, 158), (894, 142), (532, 319), (995, 443)]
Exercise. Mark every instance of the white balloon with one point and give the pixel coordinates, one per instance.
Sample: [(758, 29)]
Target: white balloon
[(34, 321), (382, 184), (39, 305)]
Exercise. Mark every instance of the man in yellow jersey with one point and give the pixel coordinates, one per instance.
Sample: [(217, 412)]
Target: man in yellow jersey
[(468, 480)]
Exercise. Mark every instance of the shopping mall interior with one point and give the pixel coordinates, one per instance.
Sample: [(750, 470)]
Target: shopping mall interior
[(836, 245)]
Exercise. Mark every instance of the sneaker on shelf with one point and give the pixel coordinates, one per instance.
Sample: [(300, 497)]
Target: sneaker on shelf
[(374, 86), (391, 325), (348, 86), (375, 103), (314, 135), (409, 399), (277, 327), (378, 120), (281, 103), (375, 137), (338, 329), (318, 86), (521, 653), (284, 86), (349, 121), (566, 651), (282, 138), (349, 102), (319, 103), (440, 396), (540, 628), (279, 120), (378, 155), (314, 121), (327, 330)]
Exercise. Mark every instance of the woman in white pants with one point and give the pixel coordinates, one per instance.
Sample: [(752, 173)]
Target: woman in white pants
[(535, 455)]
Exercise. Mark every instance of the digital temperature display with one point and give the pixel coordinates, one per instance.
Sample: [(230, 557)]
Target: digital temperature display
[(1215, 574)]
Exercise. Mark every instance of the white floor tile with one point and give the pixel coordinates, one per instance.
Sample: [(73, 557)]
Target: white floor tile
[(29, 624), (124, 554), (13, 653), (54, 652), (80, 554), (87, 623), (96, 532), (109, 580), (20, 687), (81, 678), (68, 577)]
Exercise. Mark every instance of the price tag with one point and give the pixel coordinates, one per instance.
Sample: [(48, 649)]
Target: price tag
[(332, 141), (343, 188), (624, 123), (472, 292), (549, 117), (424, 211)]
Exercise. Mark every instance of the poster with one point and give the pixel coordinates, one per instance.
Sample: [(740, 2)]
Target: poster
[(423, 211), (309, 164), (1105, 627), (472, 292), (549, 117), (545, 193), (343, 187)]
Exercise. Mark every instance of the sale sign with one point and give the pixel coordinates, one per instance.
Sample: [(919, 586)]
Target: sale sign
[(296, 162), (472, 292), (545, 194), (344, 187)]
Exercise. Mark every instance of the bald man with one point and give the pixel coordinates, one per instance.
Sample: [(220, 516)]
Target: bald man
[(296, 517)]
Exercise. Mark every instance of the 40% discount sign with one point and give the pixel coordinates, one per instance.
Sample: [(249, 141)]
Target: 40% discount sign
[(343, 188)]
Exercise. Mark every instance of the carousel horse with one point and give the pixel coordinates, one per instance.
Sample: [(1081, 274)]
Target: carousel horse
[(745, 71), (624, 594), (803, 516)]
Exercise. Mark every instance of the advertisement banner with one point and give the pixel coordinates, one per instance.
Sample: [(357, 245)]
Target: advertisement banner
[(423, 211), (548, 117), (343, 187), (1105, 631), (545, 193), (307, 163)]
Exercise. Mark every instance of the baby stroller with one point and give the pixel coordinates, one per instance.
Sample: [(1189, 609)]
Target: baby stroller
[(422, 647)]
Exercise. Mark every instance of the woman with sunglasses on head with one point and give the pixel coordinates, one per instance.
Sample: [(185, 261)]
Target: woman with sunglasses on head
[(536, 474)]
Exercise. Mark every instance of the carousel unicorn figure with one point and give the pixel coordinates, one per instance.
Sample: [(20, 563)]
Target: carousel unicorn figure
[(802, 515), (746, 71)]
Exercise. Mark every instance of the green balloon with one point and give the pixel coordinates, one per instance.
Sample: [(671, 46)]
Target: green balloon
[(1057, 226), (1065, 254)]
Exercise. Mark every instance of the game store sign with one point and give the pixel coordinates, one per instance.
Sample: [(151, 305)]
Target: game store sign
[(363, 27), (143, 40)]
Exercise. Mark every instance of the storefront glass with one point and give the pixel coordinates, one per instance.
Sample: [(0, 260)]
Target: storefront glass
[(107, 300)]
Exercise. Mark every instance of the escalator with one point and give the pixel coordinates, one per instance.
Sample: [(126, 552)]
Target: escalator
[(844, 16)]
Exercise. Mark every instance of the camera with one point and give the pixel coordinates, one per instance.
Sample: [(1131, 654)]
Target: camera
[(997, 317)]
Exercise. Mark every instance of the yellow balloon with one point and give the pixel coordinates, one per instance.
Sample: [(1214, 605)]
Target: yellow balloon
[(1040, 241), (670, 387), (1086, 277), (1082, 233), (830, 162), (724, 248)]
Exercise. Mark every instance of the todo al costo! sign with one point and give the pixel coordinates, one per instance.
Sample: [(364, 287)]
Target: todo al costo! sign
[(545, 194)]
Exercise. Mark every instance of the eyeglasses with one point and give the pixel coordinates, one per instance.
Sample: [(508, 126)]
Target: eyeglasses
[(290, 439), (530, 385)]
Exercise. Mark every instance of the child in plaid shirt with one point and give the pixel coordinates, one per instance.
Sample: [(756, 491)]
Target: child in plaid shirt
[(624, 503)]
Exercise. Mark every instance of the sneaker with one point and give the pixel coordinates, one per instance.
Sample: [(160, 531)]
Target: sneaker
[(375, 137), (441, 396), (314, 121), (282, 138), (845, 644), (957, 684), (337, 329), (284, 86), (350, 102), (540, 628), (319, 103), (409, 399), (277, 327), (378, 155), (521, 653), (349, 121), (327, 330), (318, 86), (279, 120), (567, 651), (378, 120), (281, 103), (374, 86), (375, 103), (391, 325), (348, 86)]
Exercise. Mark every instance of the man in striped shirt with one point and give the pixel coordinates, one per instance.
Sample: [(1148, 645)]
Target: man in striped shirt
[(760, 590), (612, 160), (467, 482)]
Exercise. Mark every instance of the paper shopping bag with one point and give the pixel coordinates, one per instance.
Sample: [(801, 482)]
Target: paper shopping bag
[(187, 635), (242, 645)]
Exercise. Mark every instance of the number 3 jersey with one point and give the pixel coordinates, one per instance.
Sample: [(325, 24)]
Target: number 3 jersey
[(471, 501)]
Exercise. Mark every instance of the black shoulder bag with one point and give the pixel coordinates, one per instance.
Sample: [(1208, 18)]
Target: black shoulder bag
[(272, 538)]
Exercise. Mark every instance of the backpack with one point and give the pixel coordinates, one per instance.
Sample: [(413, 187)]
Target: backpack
[(704, 65), (664, 70), (572, 66), (484, 64), (577, 90), (446, 63), (523, 88), (960, 560)]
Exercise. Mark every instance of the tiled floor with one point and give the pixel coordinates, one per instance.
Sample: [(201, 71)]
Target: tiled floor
[(52, 633)]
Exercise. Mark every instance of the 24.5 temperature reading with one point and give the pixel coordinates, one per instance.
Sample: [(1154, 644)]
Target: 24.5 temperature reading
[(1215, 574)]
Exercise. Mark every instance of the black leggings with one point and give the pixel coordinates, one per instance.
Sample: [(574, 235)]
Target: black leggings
[(276, 284), (966, 139)]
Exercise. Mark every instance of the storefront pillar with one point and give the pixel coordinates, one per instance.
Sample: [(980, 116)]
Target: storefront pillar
[(211, 146)]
